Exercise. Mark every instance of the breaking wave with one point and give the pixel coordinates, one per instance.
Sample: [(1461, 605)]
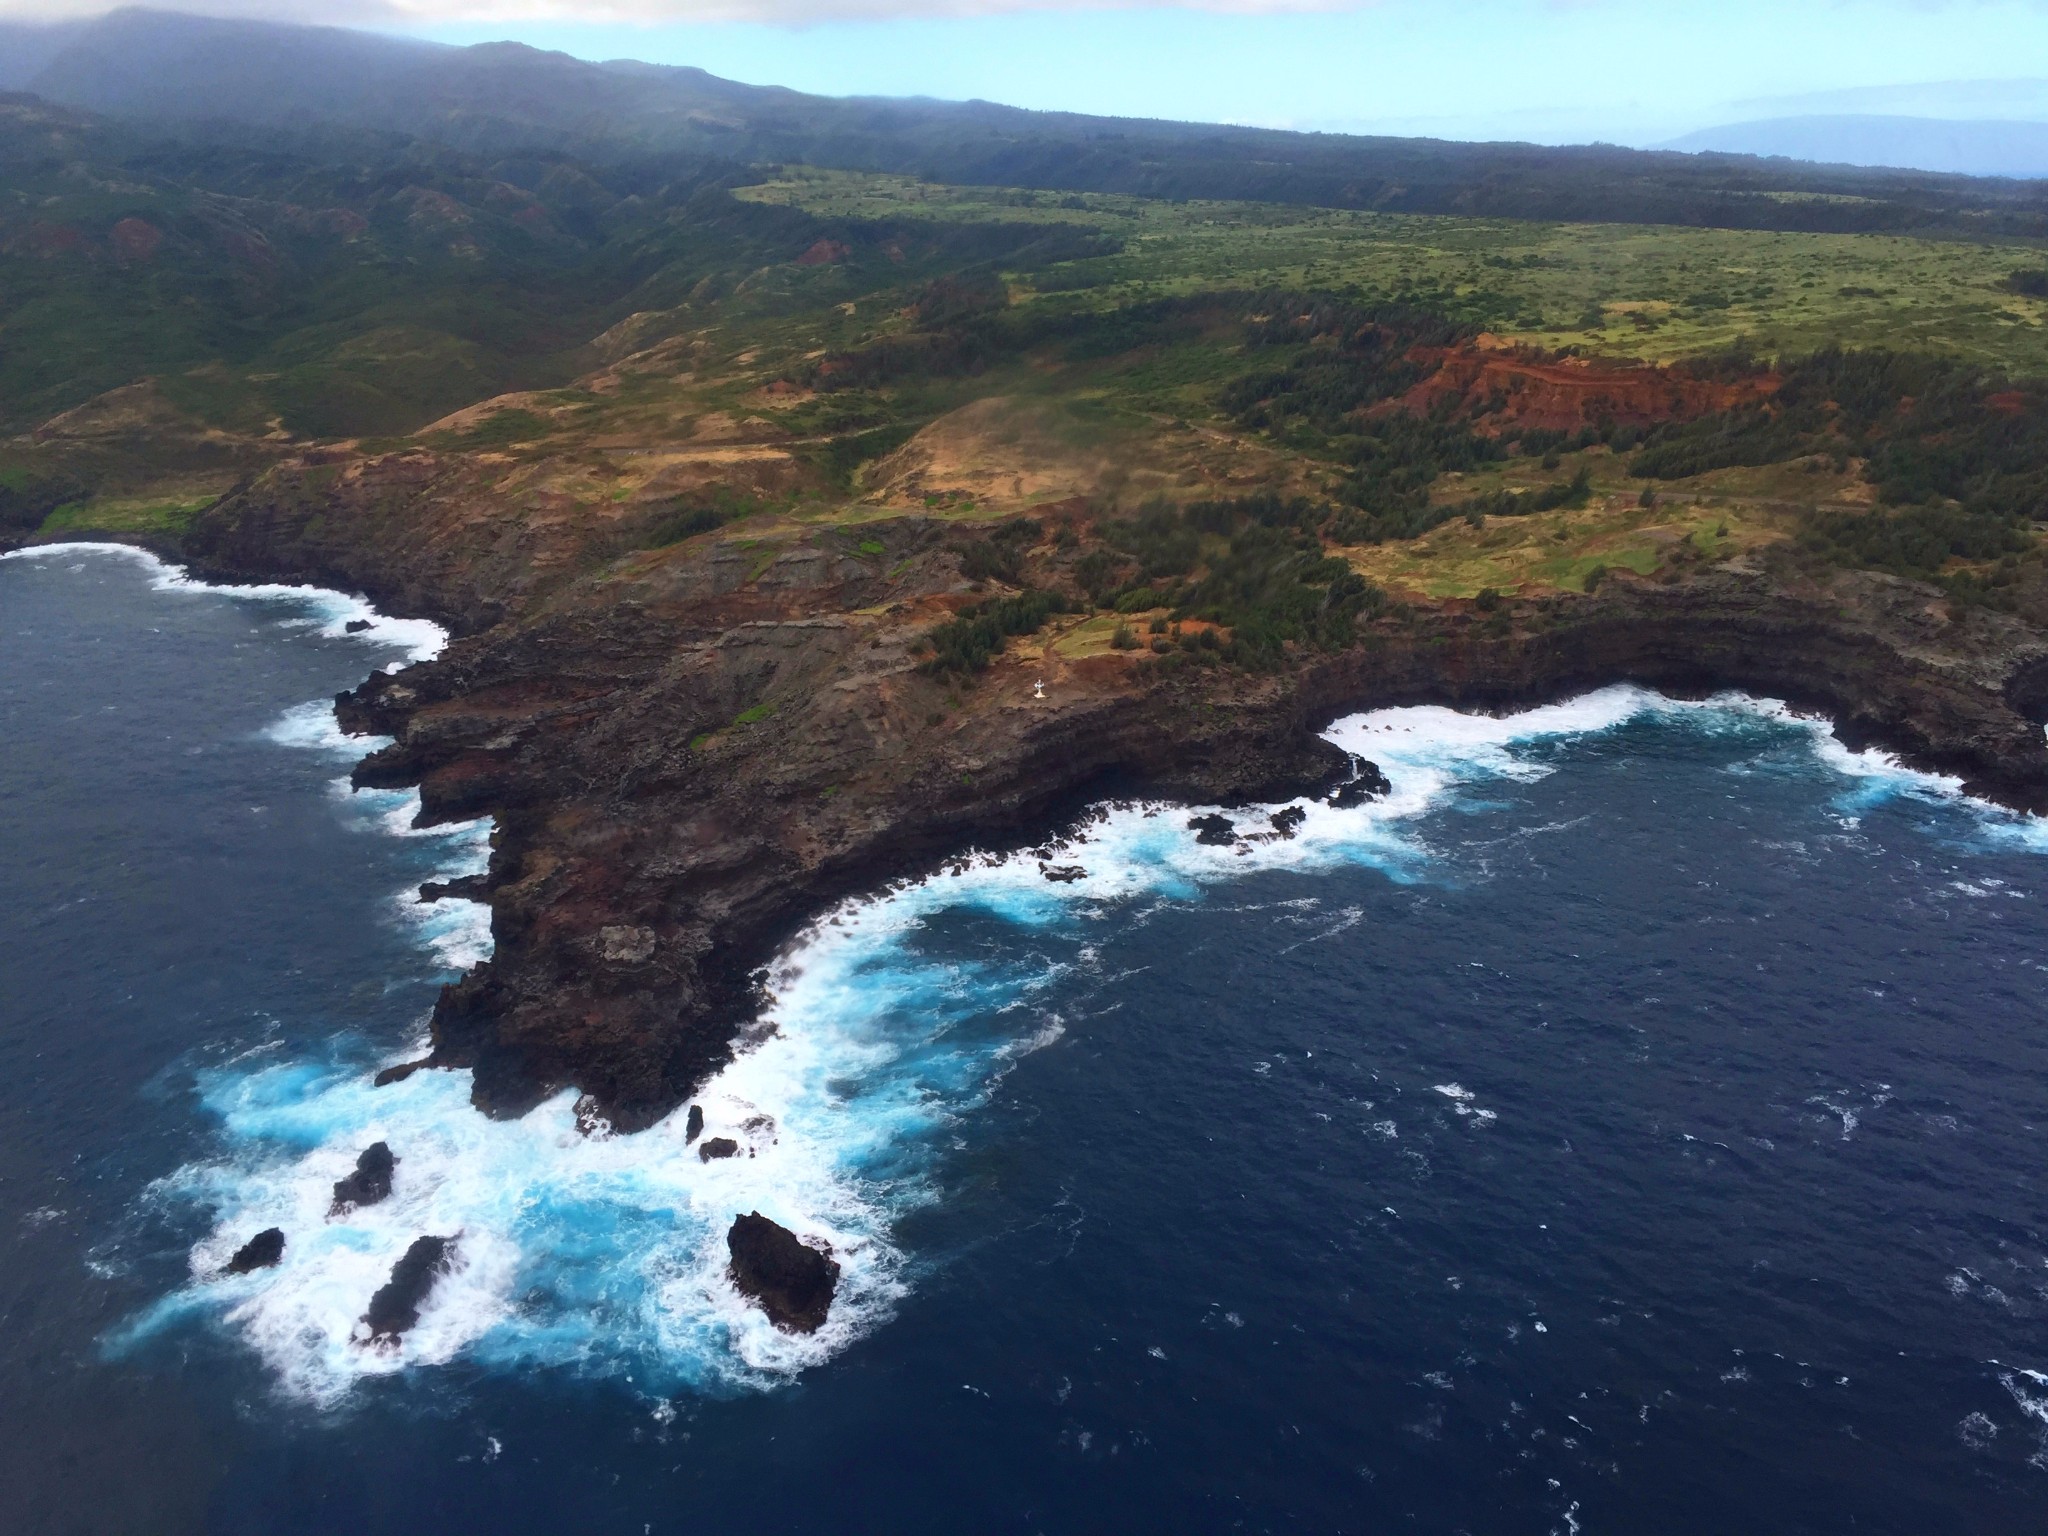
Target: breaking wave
[(604, 1255), (330, 612)]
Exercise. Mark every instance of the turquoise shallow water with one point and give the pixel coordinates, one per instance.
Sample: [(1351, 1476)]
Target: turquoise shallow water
[(1631, 1123)]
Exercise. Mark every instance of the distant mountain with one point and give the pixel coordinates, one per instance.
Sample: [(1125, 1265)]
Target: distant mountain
[(277, 86), (2021, 98), (1977, 148), (166, 66)]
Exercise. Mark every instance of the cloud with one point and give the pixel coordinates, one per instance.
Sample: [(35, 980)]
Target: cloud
[(405, 14), (596, 15)]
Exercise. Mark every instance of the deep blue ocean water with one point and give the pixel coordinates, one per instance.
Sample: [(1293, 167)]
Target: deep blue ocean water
[(1634, 1125)]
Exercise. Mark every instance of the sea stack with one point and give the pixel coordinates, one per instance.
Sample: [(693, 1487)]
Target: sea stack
[(370, 1182), (261, 1252), (396, 1305), (787, 1278), (1369, 784)]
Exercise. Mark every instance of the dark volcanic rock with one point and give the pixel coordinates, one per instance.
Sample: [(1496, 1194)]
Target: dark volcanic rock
[(396, 1305), (651, 857), (370, 1182), (718, 1146), (465, 888), (261, 1252), (1370, 784), (356, 626), (694, 1126), (1216, 831), (1063, 874), (397, 1073), (787, 1278), (1289, 821)]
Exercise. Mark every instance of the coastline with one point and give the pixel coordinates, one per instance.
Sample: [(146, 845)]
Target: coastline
[(850, 1001), (646, 873)]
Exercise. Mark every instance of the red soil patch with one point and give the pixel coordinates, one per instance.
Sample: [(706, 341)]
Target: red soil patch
[(431, 207), (1565, 394), (823, 254), (2010, 402), (46, 240), (135, 239)]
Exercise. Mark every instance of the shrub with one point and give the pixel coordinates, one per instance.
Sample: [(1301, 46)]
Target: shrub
[(965, 644), (1915, 542)]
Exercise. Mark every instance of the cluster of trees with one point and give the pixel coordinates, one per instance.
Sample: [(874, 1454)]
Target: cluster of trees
[(999, 554), (966, 643), (1346, 359), (1958, 454), (1912, 541), (1253, 565)]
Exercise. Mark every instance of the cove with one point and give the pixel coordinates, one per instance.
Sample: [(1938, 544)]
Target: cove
[(1640, 1092)]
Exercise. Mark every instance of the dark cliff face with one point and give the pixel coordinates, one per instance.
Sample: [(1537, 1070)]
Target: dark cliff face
[(690, 754)]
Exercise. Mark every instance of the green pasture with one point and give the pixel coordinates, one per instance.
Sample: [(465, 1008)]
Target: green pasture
[(1650, 292)]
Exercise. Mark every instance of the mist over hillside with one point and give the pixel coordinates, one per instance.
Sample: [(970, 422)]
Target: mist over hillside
[(193, 76)]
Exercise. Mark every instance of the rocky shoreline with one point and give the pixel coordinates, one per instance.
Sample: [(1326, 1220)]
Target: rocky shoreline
[(690, 761)]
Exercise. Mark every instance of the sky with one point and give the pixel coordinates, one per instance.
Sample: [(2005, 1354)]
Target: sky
[(1627, 71)]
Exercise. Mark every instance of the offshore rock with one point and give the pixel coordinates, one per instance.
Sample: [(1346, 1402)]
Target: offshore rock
[(1063, 874), (462, 888), (398, 1072), (787, 1278), (370, 1183), (396, 1305), (1214, 831), (693, 1127), (718, 1146), (261, 1252), (1371, 784), (1288, 822)]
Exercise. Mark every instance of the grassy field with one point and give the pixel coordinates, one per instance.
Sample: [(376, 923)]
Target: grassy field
[(168, 516), (842, 352), (1645, 292)]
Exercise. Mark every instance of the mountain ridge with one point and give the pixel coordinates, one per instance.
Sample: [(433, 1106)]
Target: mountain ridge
[(1982, 147), (188, 75)]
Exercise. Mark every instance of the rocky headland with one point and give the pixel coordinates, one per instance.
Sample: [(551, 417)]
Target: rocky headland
[(691, 752)]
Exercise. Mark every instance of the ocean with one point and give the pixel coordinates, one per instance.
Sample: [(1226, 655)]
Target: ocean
[(1634, 1122)]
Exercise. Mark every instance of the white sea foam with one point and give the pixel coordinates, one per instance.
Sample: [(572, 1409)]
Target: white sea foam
[(1462, 1099), (605, 1255), (323, 608), (458, 932)]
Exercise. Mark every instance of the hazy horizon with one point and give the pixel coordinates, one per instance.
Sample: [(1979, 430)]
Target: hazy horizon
[(1548, 73)]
